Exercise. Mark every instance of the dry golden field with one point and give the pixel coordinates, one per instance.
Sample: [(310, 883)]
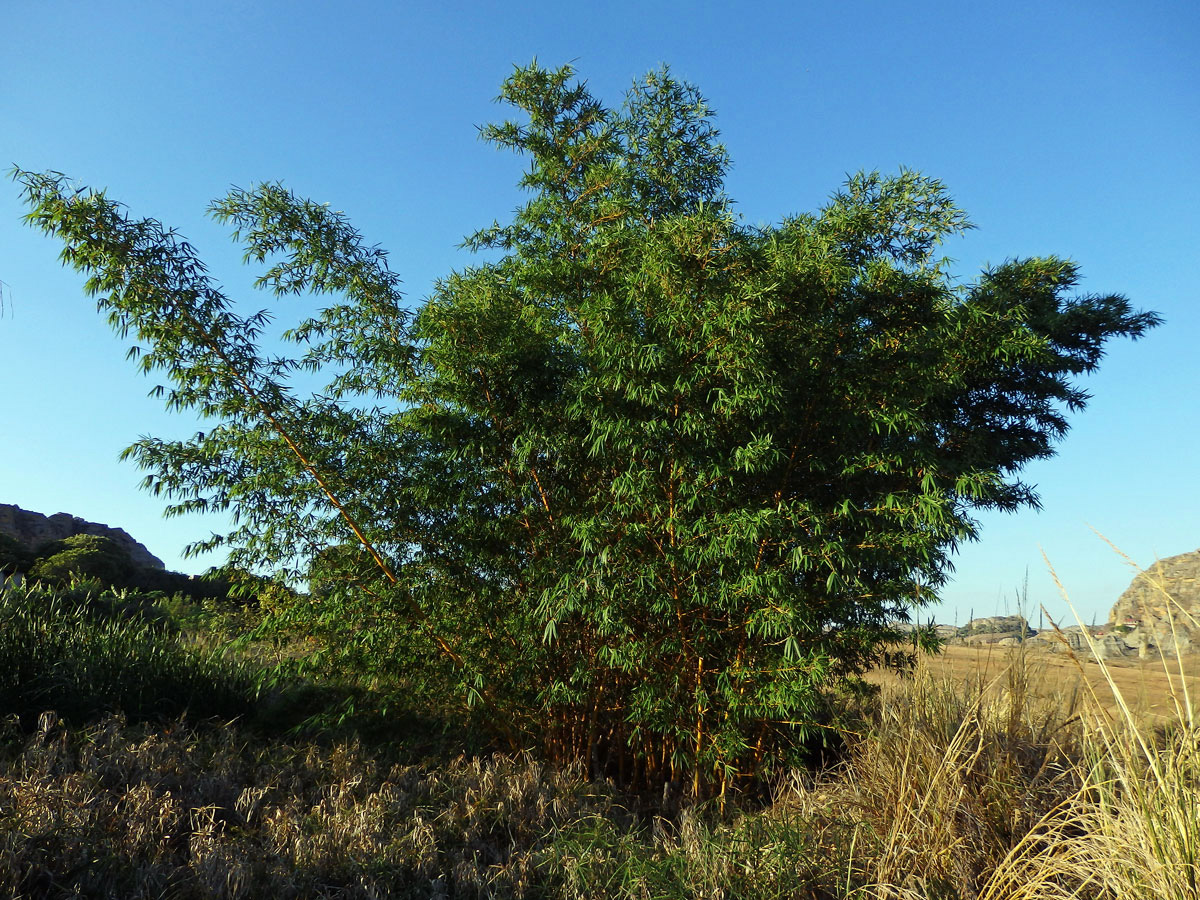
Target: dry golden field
[(1148, 686)]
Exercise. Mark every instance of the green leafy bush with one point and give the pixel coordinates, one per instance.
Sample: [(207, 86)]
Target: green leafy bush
[(14, 557), (83, 556)]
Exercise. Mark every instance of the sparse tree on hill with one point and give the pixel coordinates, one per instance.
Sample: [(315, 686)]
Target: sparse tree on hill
[(83, 556)]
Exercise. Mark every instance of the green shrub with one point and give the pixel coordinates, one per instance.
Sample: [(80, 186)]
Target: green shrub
[(13, 556), (642, 484), (83, 556), (198, 588)]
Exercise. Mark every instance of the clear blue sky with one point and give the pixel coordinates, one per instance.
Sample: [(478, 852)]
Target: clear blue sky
[(1065, 128)]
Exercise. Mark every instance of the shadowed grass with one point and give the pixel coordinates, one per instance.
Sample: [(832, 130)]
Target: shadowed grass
[(81, 654)]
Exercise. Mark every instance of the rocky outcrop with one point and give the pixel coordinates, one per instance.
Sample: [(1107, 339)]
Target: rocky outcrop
[(1006, 626), (32, 530), (1168, 589), (1160, 609)]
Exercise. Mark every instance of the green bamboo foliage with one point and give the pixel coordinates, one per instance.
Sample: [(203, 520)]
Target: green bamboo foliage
[(644, 485)]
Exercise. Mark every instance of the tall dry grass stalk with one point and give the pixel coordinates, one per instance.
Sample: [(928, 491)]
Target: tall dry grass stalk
[(951, 778), (992, 792), (1132, 831)]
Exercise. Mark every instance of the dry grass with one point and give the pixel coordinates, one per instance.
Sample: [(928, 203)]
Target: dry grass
[(1133, 829), (1001, 777), (942, 786), (933, 796), (947, 792), (135, 811), (1145, 685)]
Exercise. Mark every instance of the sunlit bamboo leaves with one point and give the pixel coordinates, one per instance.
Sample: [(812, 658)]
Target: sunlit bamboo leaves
[(639, 488)]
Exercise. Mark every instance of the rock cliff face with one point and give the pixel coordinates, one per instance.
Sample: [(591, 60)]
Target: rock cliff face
[(1146, 602), (1000, 625), (33, 529), (1158, 615), (1166, 594)]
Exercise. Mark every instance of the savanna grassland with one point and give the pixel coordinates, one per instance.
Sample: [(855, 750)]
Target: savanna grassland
[(1148, 686), (136, 763)]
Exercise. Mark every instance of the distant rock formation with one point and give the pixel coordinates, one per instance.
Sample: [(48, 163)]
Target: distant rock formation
[(32, 530), (1006, 625), (1148, 599), (1158, 615), (1161, 607)]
